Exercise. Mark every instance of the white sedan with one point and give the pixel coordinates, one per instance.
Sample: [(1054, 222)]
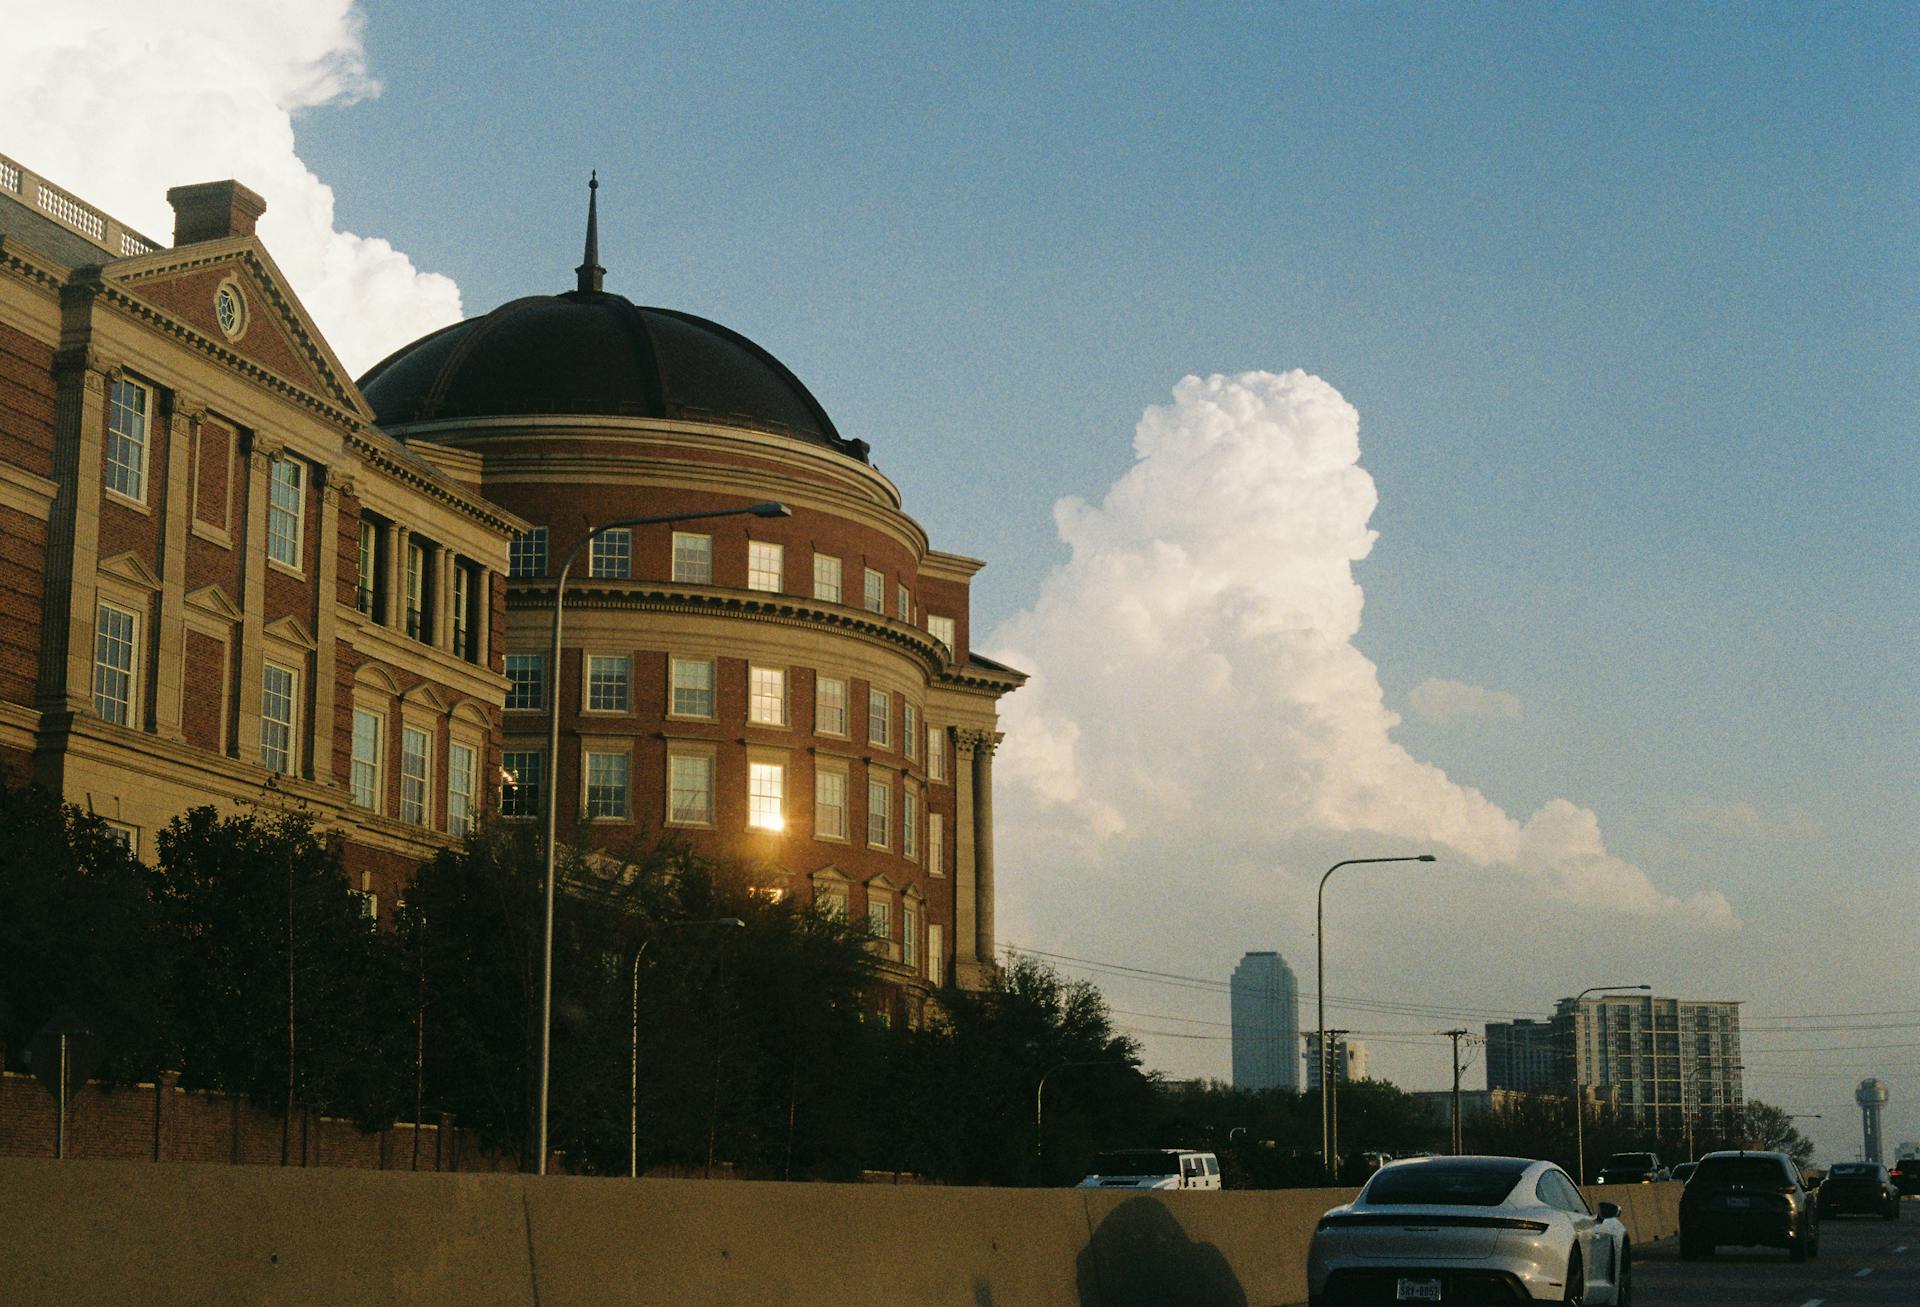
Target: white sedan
[(1470, 1230)]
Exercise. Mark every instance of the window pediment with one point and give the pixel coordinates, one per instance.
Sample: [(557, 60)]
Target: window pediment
[(290, 630), (212, 600), (132, 569)]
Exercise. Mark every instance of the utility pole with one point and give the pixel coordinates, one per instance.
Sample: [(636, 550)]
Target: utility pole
[(1330, 1090), (1459, 1145)]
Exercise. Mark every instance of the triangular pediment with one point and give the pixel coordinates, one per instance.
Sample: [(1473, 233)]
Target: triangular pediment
[(881, 884), (291, 631), (212, 599), (131, 568), (427, 697), (832, 876), (274, 333)]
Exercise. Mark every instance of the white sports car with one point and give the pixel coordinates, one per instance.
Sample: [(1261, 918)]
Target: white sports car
[(1470, 1230)]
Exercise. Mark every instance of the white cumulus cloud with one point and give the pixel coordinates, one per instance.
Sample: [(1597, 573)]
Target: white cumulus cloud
[(118, 101), (1439, 700), (1195, 683)]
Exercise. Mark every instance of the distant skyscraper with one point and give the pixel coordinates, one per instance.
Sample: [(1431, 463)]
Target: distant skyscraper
[(1520, 1057), (1265, 1003)]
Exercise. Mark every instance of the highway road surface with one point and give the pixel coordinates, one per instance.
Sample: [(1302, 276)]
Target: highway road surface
[(1864, 1261)]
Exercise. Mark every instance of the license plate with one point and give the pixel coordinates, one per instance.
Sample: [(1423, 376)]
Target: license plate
[(1739, 1202), (1411, 1290)]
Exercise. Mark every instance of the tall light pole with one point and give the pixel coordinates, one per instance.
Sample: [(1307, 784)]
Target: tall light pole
[(633, 1072), (1040, 1090), (553, 775), (1320, 984), (1579, 1101)]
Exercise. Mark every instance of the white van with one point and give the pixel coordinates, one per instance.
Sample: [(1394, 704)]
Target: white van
[(1154, 1168)]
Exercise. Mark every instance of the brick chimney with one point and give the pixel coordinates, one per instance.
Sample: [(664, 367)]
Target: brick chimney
[(211, 211)]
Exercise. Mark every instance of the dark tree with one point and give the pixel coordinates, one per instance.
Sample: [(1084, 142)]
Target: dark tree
[(282, 990), (77, 935)]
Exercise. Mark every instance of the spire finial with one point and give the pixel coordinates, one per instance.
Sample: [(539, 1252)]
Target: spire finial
[(590, 272)]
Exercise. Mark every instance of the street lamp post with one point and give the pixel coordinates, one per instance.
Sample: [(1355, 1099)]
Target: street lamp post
[(1320, 985), (1579, 1101), (553, 777), (633, 1081)]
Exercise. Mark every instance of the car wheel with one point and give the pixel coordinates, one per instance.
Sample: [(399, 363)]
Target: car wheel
[(1576, 1279), (1893, 1210), (1800, 1250)]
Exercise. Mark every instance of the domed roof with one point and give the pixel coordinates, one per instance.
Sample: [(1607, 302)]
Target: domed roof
[(592, 352)]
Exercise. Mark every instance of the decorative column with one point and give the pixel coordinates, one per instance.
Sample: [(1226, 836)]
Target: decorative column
[(73, 529), (183, 426), (397, 579), (326, 620), (984, 744), (966, 961), (253, 603), (441, 615)]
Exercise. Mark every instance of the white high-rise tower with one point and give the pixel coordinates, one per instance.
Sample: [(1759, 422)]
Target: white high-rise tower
[(1265, 1002)]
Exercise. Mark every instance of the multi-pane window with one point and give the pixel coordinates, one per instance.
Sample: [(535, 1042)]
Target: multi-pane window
[(830, 899), (607, 785), (909, 729), (879, 916), (526, 681), (690, 789), (609, 682), (365, 778), (767, 795), (286, 505), (936, 954), (766, 565), (879, 717), (611, 554), (936, 753), (367, 587), (826, 578), (527, 555), (902, 603), (909, 824), (692, 558), (127, 410), (875, 595), (276, 718), (941, 629), (830, 705), (909, 934), (459, 789), (767, 695), (524, 784), (416, 590), (116, 633), (692, 680), (830, 804), (879, 813), (936, 844), (414, 772), (463, 632)]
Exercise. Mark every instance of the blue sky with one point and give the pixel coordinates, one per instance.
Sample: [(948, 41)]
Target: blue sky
[(1623, 296)]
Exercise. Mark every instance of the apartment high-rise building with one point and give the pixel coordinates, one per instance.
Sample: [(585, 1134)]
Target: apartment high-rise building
[(1265, 1005), (1520, 1056), (1349, 1060), (1662, 1060)]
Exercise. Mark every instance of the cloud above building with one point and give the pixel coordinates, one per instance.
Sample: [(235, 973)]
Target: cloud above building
[(1195, 681), (1439, 700), (118, 101)]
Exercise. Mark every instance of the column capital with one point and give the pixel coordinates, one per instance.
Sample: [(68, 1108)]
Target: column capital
[(84, 362), (969, 743), (264, 448)]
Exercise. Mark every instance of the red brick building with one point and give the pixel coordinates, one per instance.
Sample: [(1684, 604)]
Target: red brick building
[(228, 569)]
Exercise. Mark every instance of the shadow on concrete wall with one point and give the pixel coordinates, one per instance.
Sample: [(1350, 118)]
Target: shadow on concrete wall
[(1141, 1257)]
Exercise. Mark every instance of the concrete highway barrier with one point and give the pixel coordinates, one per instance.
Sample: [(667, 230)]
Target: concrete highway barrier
[(107, 1233)]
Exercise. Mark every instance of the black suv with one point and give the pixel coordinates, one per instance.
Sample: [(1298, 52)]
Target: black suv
[(1632, 1168), (1748, 1198), (1906, 1174), (1860, 1187)]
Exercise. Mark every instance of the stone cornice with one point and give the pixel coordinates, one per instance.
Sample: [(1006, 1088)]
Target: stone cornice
[(483, 511), (30, 266), (755, 605)]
